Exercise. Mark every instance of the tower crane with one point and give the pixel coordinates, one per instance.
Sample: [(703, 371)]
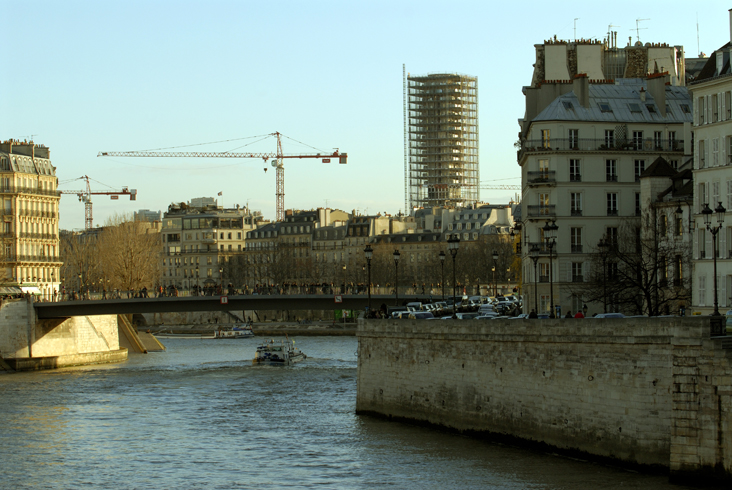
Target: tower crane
[(277, 162), (85, 197)]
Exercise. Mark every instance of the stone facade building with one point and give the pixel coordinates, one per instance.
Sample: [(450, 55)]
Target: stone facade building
[(585, 140), (30, 235), (712, 96)]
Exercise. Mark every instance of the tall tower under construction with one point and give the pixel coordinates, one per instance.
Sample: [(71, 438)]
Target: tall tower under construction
[(441, 119)]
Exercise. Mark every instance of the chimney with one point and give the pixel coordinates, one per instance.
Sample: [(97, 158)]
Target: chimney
[(581, 88), (657, 89)]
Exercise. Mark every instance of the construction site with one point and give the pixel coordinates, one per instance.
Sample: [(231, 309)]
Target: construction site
[(441, 140)]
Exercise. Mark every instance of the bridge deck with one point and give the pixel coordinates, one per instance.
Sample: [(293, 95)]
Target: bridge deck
[(65, 309)]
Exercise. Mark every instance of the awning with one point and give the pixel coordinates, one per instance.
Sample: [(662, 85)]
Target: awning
[(10, 290), (30, 289)]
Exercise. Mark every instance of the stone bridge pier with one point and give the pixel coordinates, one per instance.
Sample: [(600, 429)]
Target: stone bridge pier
[(29, 343)]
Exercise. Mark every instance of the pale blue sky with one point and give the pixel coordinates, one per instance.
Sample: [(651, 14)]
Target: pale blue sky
[(90, 76)]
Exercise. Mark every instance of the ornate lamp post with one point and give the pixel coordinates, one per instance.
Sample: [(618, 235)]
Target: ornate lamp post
[(495, 286), (453, 243), (534, 255), (442, 265), (550, 233), (604, 245), (369, 253), (707, 212), (397, 255)]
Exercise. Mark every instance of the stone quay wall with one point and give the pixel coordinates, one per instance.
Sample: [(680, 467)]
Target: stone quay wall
[(648, 392), (29, 343)]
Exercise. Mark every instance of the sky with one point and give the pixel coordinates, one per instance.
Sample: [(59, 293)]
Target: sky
[(86, 76)]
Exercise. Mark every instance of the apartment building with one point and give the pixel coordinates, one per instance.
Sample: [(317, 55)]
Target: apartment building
[(595, 120), (30, 235), (198, 241), (712, 95)]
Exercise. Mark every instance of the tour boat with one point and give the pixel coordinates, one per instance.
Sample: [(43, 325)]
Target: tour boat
[(282, 353), (243, 332)]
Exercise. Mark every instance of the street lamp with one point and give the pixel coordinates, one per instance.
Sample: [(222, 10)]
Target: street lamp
[(397, 255), (495, 286), (550, 234), (534, 255), (369, 253), (344, 279), (453, 243), (604, 245), (707, 212), (442, 265), (221, 278)]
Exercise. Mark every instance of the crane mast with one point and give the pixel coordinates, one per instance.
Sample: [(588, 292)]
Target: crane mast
[(86, 194), (277, 163)]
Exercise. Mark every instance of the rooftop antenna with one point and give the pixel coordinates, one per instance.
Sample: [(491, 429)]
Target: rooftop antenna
[(610, 37), (575, 27), (638, 28)]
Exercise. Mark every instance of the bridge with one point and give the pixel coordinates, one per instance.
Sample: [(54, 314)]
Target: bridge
[(67, 309)]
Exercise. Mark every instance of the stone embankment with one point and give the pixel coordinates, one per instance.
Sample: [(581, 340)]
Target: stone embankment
[(652, 393)]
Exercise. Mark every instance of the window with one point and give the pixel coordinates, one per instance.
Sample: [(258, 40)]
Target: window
[(612, 204), (543, 272), (674, 164), (678, 271), (640, 166), (679, 225), (575, 203), (715, 108), (577, 272), (611, 235), (662, 225), (575, 236), (729, 150), (604, 107), (715, 152), (685, 109), (715, 195), (545, 140), (544, 204), (702, 110), (637, 140), (651, 108), (658, 140), (729, 195), (575, 171), (612, 271), (703, 198), (611, 171), (568, 105), (702, 290), (662, 272), (610, 138), (728, 105), (672, 140), (573, 139), (702, 154), (544, 169), (637, 204)]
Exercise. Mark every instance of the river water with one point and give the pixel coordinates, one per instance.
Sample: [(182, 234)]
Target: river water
[(201, 416)]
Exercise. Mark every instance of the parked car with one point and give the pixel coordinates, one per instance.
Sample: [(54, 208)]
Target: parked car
[(421, 315), (466, 316), (609, 315)]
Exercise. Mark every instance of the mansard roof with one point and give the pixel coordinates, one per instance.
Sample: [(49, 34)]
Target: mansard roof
[(612, 103)]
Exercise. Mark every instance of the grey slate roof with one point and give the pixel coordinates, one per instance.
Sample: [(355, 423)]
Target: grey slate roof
[(619, 97)]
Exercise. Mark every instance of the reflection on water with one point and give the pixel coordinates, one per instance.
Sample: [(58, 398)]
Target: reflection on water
[(201, 416)]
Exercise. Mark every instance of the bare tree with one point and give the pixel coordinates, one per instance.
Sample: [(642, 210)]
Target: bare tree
[(639, 271), (129, 252)]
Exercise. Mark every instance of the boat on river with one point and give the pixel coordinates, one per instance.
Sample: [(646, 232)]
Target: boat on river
[(282, 353), (171, 335), (243, 332)]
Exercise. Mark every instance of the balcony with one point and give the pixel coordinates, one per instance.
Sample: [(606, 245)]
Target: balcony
[(31, 258), (612, 212), (542, 211), (576, 212), (542, 177), (15, 189), (575, 178), (611, 178), (543, 278), (648, 145)]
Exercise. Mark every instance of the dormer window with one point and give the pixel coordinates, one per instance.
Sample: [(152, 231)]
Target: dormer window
[(604, 107)]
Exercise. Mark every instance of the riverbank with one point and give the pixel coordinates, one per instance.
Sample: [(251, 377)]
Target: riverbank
[(263, 328)]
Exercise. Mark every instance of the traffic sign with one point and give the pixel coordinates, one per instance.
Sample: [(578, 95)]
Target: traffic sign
[(338, 298), (224, 300)]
